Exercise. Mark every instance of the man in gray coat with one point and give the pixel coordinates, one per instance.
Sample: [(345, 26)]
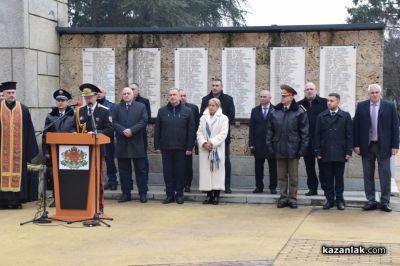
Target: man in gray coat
[(129, 119), (287, 139)]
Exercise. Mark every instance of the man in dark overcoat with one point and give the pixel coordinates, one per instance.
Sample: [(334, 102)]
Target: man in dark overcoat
[(257, 143), (333, 142), (129, 121)]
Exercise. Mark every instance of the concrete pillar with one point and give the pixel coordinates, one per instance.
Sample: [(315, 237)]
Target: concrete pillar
[(30, 50)]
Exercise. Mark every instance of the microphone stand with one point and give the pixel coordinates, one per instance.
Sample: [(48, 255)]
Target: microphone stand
[(54, 122), (44, 217), (97, 219)]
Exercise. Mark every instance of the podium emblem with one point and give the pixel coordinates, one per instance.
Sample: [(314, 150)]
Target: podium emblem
[(73, 157)]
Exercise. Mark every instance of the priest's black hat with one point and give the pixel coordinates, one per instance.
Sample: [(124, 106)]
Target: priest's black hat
[(9, 85)]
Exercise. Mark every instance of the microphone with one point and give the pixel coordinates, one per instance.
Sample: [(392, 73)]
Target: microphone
[(75, 104)]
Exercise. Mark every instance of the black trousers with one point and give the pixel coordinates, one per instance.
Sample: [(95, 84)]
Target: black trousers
[(334, 181), (312, 179), (110, 164), (189, 170), (259, 170), (174, 171), (125, 172), (228, 166)]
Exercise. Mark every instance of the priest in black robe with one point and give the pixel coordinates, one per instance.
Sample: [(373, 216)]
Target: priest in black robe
[(18, 146)]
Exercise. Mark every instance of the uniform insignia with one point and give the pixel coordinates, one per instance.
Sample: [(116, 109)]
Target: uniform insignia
[(100, 105), (81, 118), (60, 92)]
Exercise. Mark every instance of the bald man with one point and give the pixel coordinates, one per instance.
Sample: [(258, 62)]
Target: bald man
[(257, 143), (314, 105)]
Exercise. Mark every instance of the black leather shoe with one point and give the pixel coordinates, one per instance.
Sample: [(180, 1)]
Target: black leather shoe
[(257, 190), (273, 191), (15, 206), (340, 206), (282, 204), (292, 204), (124, 198), (143, 198), (110, 186), (327, 205), (370, 207), (187, 189), (312, 193), (215, 201), (179, 200), (385, 207), (168, 199), (209, 199), (228, 190)]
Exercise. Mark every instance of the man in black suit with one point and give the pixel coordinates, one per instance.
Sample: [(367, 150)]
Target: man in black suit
[(314, 105), (174, 138), (138, 98), (333, 147), (92, 118), (258, 145), (228, 109), (129, 119), (189, 158), (376, 138)]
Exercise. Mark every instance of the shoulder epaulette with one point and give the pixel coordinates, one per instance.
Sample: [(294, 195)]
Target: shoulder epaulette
[(302, 107), (100, 105)]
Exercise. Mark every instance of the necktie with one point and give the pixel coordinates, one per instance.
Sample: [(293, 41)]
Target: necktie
[(127, 114), (173, 111), (285, 108), (374, 123), (61, 114), (265, 112), (333, 114), (310, 103)]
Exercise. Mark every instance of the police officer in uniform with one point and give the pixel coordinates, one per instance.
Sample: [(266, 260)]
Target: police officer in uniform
[(62, 115), (101, 117)]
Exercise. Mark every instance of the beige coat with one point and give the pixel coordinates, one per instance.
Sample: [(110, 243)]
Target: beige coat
[(219, 124)]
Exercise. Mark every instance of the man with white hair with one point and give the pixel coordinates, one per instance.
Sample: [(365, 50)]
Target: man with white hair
[(257, 143), (376, 138)]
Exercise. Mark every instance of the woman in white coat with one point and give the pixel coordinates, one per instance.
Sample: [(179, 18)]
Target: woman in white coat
[(211, 135)]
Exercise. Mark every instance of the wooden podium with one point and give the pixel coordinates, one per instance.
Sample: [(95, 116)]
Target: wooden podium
[(75, 158)]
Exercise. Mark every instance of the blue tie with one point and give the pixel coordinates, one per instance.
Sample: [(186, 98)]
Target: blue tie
[(126, 116)]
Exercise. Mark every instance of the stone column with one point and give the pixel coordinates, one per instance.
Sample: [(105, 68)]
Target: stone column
[(30, 50)]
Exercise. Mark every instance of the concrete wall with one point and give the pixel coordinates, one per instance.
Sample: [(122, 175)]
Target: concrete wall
[(369, 58), (369, 67), (30, 50)]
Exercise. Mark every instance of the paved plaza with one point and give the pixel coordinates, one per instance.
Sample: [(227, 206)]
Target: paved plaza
[(196, 234)]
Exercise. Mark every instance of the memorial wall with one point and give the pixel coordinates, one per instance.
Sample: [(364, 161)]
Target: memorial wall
[(337, 58)]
